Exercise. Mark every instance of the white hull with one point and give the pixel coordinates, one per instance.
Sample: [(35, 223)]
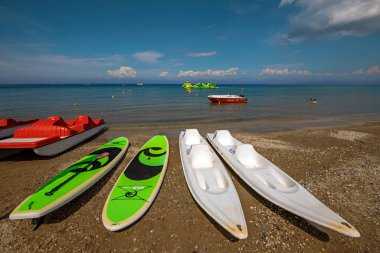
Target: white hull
[(66, 143), (273, 184), (210, 184)]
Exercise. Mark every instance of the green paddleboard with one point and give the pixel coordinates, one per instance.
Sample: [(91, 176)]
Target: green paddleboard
[(138, 185), (71, 182)]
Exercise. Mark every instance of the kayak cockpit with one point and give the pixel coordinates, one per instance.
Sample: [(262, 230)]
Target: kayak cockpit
[(203, 164)]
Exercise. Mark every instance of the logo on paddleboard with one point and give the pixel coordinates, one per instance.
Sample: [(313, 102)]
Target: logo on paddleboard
[(100, 159), (131, 192), (135, 187), (30, 205), (146, 164)]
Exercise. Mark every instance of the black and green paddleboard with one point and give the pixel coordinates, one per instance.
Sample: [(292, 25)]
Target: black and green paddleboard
[(71, 182), (138, 185)]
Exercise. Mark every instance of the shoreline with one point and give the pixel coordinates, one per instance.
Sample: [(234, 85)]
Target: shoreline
[(337, 164), (247, 126)]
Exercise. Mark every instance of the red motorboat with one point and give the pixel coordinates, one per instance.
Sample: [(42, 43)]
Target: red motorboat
[(227, 98), (8, 126), (53, 135)]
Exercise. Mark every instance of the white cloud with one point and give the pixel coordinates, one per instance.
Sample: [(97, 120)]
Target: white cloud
[(359, 72), (202, 54), (148, 56), (283, 72), (122, 72), (164, 74), (333, 19), (210, 72), (373, 70), (283, 39), (285, 2)]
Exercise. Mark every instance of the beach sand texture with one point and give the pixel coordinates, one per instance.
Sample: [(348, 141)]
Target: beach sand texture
[(339, 165)]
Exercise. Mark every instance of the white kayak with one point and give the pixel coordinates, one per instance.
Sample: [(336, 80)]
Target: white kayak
[(210, 184), (276, 186)]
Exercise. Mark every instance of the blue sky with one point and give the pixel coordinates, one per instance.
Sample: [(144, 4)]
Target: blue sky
[(288, 41)]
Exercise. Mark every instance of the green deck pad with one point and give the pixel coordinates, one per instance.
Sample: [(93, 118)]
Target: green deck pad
[(75, 175), (139, 180)]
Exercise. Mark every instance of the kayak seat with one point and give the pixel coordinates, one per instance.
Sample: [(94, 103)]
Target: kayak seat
[(224, 137), (212, 180), (201, 157), (208, 177), (192, 137), (277, 180), (247, 156), (271, 177)]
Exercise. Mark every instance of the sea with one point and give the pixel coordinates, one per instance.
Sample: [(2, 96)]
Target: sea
[(269, 107)]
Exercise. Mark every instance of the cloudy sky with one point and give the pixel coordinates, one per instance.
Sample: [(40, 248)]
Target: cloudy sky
[(288, 41)]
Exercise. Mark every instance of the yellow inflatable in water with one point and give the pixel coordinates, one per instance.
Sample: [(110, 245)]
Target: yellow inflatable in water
[(188, 85)]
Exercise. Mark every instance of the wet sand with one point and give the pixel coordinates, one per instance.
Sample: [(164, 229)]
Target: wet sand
[(339, 165)]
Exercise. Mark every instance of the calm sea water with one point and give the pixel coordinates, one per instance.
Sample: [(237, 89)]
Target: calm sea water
[(170, 104)]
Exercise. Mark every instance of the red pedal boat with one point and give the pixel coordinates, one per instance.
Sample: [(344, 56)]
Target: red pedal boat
[(8, 126), (53, 135), (227, 98)]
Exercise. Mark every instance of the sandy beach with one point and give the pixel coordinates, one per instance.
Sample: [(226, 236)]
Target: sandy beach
[(298, 80), (340, 165)]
